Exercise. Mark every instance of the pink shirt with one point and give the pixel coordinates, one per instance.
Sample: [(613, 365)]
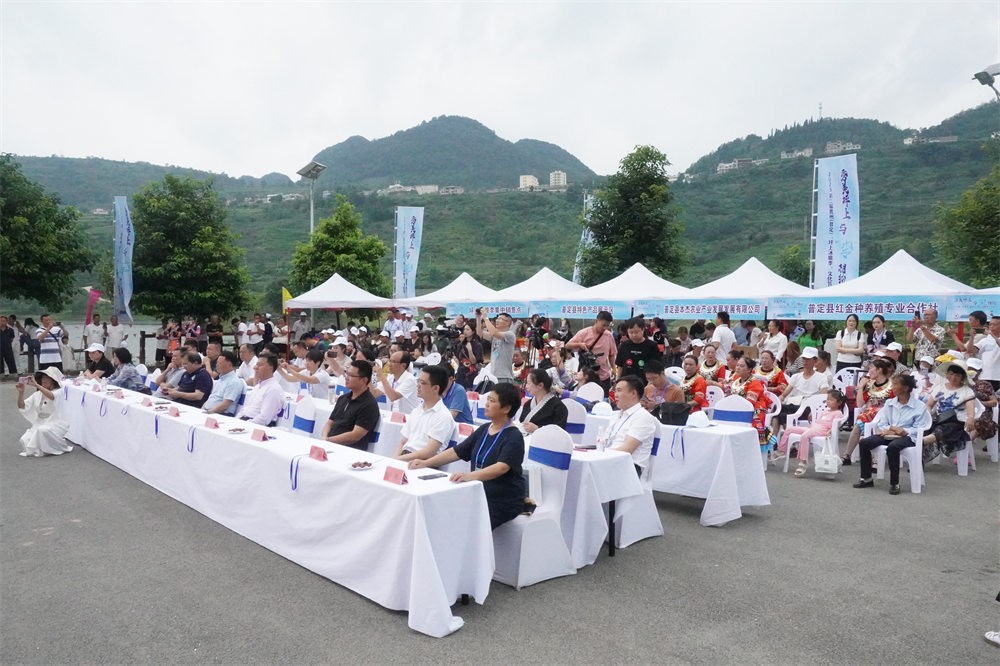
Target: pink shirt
[(825, 421), (604, 344)]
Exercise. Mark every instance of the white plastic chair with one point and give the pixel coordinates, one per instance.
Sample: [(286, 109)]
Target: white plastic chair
[(151, 379), (576, 419), (817, 443), (675, 374), (602, 409), (992, 444), (142, 370), (714, 394), (638, 517), (816, 405), (846, 377), (912, 456), (530, 549), (591, 392), (775, 408)]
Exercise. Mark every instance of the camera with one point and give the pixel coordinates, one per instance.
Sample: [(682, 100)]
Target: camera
[(589, 359)]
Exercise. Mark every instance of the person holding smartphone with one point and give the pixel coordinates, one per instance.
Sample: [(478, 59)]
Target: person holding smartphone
[(43, 409)]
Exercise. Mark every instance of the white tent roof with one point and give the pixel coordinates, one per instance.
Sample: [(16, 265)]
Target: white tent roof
[(637, 283), (338, 293), (751, 280), (463, 289), (545, 285), (994, 290), (901, 275)]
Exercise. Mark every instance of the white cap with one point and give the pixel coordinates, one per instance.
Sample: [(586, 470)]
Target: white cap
[(894, 346), (95, 346), (340, 341), (303, 314), (879, 353), (363, 329), (397, 334), (975, 364), (809, 352), (414, 329), (427, 315), (354, 330), (697, 343), (442, 327), (384, 334), (327, 331), (929, 360)]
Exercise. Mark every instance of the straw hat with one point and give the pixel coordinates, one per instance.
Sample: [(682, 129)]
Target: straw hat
[(946, 366), (53, 374)]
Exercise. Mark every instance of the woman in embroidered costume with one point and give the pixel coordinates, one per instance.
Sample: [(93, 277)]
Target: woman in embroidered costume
[(773, 377), (874, 389), (711, 368), (746, 385), (693, 385)]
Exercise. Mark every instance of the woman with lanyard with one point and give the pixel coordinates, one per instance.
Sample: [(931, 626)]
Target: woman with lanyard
[(544, 408), (495, 451), (880, 337)]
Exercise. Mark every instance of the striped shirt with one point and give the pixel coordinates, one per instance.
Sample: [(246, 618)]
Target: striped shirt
[(49, 340)]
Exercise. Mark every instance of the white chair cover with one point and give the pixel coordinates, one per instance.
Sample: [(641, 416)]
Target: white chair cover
[(576, 419), (142, 370), (530, 549), (637, 518), (733, 409), (305, 416), (602, 409), (714, 394), (151, 379), (591, 392)]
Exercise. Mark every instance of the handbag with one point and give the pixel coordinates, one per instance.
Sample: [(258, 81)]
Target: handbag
[(945, 417), (673, 413), (826, 461)]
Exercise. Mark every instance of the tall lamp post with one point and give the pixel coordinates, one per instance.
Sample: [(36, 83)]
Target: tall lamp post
[(312, 172), (988, 77)]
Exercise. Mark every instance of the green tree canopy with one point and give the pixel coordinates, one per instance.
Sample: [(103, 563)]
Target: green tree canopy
[(185, 259), (338, 246), (633, 220), (41, 244), (793, 264), (967, 237)]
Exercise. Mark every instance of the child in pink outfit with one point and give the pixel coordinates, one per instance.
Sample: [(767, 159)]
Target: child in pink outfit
[(819, 427)]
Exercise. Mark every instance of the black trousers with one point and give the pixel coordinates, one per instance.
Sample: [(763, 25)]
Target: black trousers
[(893, 448), (7, 359)]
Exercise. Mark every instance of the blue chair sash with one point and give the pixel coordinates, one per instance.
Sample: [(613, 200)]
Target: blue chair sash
[(555, 459), (303, 424), (575, 428), (732, 415), (656, 446)]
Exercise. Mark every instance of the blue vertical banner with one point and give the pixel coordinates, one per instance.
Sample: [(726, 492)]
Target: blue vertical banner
[(838, 220), (409, 230), (124, 241)]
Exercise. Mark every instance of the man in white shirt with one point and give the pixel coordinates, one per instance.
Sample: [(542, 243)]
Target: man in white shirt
[(301, 326), (398, 385), (116, 335), (242, 336), (988, 349), (634, 429), (255, 332), (429, 427), (247, 369), (394, 324), (267, 399), (723, 338), (93, 332)]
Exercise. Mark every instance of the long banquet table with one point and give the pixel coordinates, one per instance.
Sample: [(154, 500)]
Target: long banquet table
[(416, 547)]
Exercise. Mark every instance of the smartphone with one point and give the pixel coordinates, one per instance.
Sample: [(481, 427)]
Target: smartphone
[(23, 380), (438, 475)]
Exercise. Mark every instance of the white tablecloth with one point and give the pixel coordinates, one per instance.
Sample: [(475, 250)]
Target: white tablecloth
[(389, 431), (416, 547), (595, 477), (720, 463)]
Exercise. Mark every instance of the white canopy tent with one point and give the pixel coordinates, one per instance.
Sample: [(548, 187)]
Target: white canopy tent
[(635, 284), (339, 294), (752, 280), (545, 285), (463, 289), (900, 274)]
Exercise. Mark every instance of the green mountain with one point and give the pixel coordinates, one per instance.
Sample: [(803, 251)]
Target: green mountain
[(504, 237), (448, 150)]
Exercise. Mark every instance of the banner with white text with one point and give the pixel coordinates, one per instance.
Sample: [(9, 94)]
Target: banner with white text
[(838, 218), (124, 240), (409, 230), (738, 308)]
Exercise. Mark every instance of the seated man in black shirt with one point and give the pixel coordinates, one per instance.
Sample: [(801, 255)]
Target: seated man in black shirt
[(356, 414), (195, 384), (635, 350)]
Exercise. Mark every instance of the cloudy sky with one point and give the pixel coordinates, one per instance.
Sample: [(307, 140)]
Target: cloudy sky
[(255, 87)]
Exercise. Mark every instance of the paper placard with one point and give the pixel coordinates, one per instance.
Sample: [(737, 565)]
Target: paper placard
[(97, 388), (120, 395), (211, 423), (317, 453), (395, 475), (465, 429), (146, 402), (299, 397), (398, 417), (258, 435), (173, 411)]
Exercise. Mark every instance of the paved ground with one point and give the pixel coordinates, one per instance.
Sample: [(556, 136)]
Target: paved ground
[(99, 568)]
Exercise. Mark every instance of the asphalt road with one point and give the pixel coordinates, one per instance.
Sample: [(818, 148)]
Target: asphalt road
[(97, 567)]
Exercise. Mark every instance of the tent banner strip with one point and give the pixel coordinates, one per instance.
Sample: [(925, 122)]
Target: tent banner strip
[(892, 308), (703, 308)]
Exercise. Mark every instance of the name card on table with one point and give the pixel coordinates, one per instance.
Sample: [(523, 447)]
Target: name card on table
[(211, 423), (398, 417), (120, 395), (173, 411), (146, 402), (395, 475), (299, 397), (97, 388), (258, 435), (317, 453)]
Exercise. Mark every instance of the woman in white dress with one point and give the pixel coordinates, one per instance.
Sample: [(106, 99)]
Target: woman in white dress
[(44, 410)]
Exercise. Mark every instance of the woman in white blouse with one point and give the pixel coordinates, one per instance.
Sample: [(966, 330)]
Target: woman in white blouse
[(850, 344), (774, 341)]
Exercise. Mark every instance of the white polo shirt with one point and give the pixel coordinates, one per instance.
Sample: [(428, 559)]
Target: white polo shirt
[(725, 337), (803, 388), (423, 424), (405, 384), (639, 424), (989, 354), (246, 369)]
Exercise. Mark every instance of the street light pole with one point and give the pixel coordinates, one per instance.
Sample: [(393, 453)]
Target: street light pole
[(312, 172)]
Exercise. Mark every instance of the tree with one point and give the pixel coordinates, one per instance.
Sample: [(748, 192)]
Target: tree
[(793, 264), (967, 237), (338, 246), (185, 259), (633, 219), (41, 244)]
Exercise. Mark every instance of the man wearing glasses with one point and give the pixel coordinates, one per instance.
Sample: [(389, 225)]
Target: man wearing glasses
[(398, 385), (428, 428), (356, 414)]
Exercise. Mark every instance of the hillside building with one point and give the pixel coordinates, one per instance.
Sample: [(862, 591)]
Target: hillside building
[(738, 163), (792, 154), (451, 189), (557, 179), (840, 147), (528, 184), (426, 189)]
